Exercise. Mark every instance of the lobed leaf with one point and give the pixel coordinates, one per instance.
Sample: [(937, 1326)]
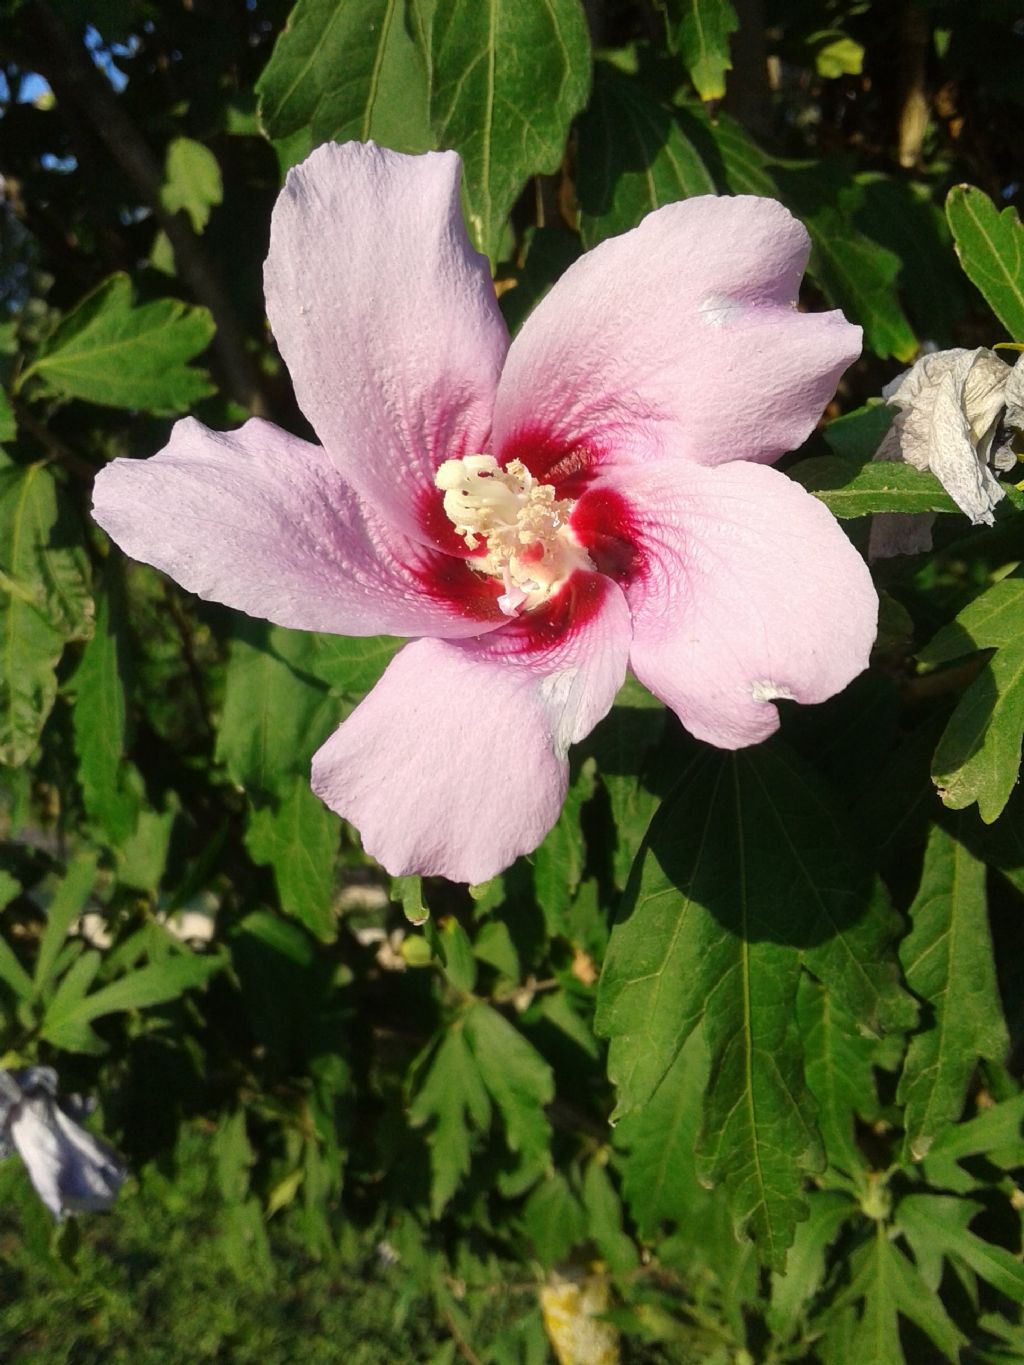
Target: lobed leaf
[(947, 957), (699, 31), (109, 350), (452, 1095), (100, 720), (297, 836), (44, 601)]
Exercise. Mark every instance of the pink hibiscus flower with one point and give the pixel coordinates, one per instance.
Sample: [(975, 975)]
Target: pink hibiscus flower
[(541, 515)]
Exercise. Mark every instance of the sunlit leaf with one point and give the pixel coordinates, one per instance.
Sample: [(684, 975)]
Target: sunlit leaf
[(112, 351), (699, 31), (990, 245), (489, 58)]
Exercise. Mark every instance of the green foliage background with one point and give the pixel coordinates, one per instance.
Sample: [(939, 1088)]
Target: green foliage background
[(744, 1035)]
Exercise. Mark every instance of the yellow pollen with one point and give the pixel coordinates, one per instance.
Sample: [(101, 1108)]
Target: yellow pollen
[(511, 513)]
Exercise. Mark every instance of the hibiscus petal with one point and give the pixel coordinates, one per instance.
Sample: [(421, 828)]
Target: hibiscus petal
[(263, 522), (455, 763), (749, 592), (385, 316), (679, 338)]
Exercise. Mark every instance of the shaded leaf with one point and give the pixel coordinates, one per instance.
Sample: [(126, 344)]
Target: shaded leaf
[(745, 873), (857, 273), (554, 1219), (453, 1096), (298, 837), (632, 156), (518, 1080), (110, 796), (72, 1009), (947, 957), (275, 713)]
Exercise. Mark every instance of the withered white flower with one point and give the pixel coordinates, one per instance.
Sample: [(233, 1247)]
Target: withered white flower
[(955, 408), (72, 1171)]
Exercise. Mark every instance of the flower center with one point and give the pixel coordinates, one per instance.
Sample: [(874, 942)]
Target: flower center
[(525, 528)]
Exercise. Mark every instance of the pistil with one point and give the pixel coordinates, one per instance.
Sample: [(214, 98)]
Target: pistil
[(523, 526)]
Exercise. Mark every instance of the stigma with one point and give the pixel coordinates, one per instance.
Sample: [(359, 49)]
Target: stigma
[(519, 524)]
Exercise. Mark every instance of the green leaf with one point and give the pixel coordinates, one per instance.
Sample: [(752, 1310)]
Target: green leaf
[(44, 601), (849, 490), (857, 435), (839, 1064), (554, 1219), (192, 181), (989, 1131), (805, 1264), (110, 796), (978, 756), (625, 745), (995, 618), (836, 54), (489, 58), (990, 245), (71, 1010), (939, 1223), (459, 964), (518, 1080), (349, 664), (559, 861), (108, 350), (745, 873), (8, 426), (857, 274), (632, 156), (298, 837), (699, 31), (604, 1217), (744, 165), (948, 962), (453, 1095), (275, 713), (660, 1140), (66, 905), (345, 71)]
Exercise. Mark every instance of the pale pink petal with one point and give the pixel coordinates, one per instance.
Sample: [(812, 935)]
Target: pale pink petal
[(680, 338), (385, 317), (744, 590), (456, 762), (264, 522)]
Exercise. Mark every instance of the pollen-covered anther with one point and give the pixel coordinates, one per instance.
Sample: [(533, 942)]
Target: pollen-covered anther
[(525, 527)]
